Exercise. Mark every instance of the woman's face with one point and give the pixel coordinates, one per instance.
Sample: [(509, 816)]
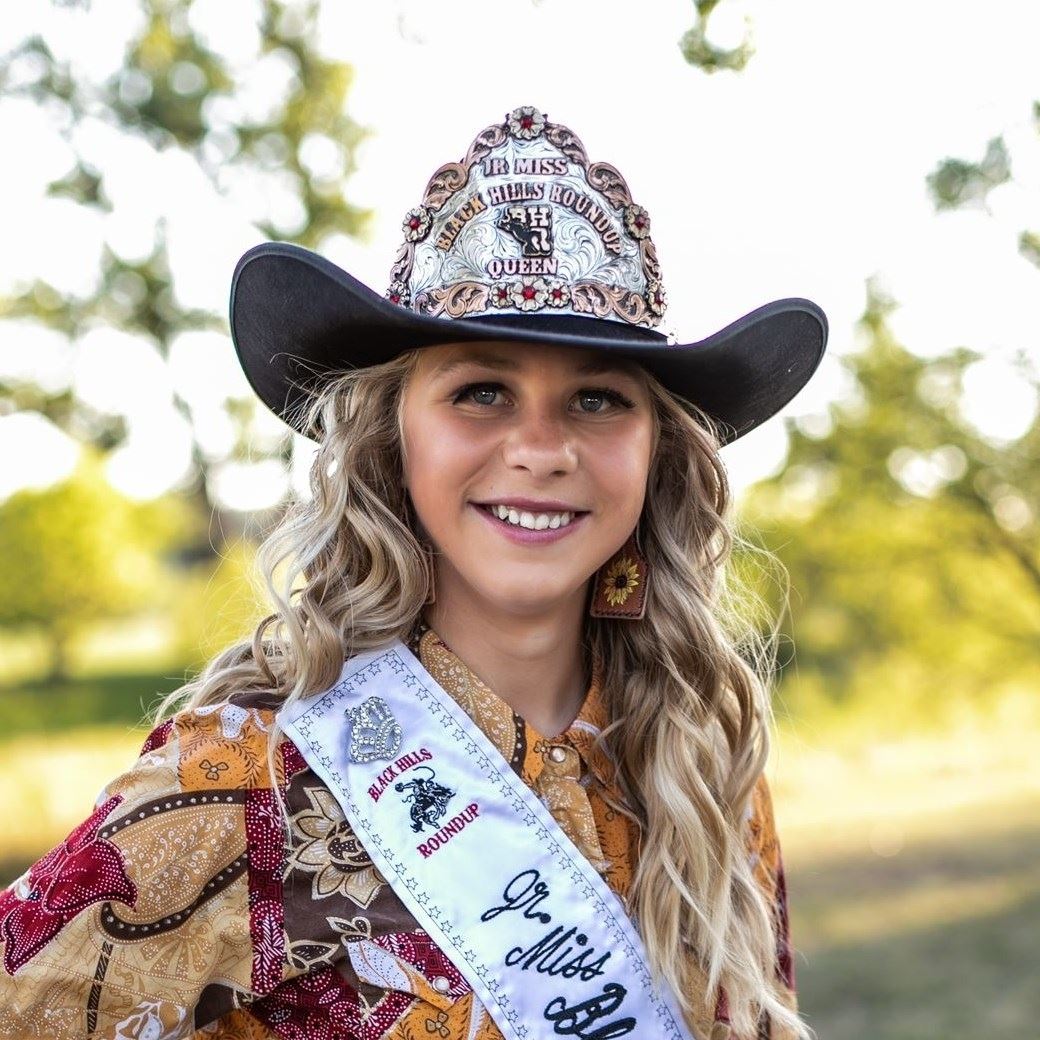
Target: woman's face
[(542, 431)]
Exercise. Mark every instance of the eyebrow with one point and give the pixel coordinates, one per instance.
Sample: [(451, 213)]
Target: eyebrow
[(597, 366)]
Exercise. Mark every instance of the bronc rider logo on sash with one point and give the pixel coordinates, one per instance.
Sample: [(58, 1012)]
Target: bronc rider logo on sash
[(429, 799)]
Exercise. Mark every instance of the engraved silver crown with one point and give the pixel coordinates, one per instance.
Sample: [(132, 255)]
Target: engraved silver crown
[(526, 224)]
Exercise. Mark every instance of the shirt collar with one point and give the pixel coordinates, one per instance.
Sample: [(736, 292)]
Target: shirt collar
[(580, 734)]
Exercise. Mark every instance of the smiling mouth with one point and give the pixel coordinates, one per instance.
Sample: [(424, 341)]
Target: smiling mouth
[(531, 521)]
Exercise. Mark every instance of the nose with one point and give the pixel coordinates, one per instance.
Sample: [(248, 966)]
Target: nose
[(540, 442)]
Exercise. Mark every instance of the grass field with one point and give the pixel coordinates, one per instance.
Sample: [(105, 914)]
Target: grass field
[(913, 871), (940, 941), (912, 863)]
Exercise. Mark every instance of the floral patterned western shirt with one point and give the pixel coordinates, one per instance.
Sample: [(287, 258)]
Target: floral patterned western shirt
[(180, 908)]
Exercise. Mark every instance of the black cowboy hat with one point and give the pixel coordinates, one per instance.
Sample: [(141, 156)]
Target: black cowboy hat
[(294, 313), (526, 241)]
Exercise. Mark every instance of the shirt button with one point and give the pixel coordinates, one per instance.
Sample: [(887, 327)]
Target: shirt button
[(441, 984), (558, 754)]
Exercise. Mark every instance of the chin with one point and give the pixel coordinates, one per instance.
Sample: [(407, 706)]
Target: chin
[(519, 597)]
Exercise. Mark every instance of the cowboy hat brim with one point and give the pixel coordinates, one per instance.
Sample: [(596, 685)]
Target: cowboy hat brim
[(295, 314)]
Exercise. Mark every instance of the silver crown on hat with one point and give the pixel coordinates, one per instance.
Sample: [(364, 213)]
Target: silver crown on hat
[(526, 224)]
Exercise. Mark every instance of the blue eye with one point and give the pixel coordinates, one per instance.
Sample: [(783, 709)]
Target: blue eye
[(471, 389), (476, 388), (607, 395)]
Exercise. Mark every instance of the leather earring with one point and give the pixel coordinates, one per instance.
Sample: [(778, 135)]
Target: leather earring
[(431, 596), (621, 583)]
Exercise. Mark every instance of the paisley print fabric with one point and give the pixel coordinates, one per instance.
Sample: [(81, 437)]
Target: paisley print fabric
[(182, 907)]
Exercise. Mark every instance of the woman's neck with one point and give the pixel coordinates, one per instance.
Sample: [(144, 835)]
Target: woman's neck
[(537, 665)]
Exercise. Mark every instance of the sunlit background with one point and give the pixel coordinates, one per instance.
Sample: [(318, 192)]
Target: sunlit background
[(882, 160)]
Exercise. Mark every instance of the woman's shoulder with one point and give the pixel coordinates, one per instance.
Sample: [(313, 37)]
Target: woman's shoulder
[(180, 850), (221, 746)]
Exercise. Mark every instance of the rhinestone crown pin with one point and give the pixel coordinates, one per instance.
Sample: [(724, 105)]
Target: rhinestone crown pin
[(374, 732)]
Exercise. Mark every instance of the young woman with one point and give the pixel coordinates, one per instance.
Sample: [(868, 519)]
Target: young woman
[(517, 540)]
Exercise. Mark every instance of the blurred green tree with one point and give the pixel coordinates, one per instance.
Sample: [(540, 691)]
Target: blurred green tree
[(78, 551), (911, 541), (174, 91), (217, 606), (1005, 484), (698, 49)]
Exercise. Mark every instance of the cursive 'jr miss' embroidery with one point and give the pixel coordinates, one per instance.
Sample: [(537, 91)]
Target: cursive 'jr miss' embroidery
[(563, 952)]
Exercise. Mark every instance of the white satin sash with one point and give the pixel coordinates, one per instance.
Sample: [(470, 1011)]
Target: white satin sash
[(477, 858)]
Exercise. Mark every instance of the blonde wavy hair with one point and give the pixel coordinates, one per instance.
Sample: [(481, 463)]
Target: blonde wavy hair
[(687, 688)]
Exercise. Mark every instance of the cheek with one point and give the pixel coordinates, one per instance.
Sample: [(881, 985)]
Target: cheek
[(621, 469), (439, 461)]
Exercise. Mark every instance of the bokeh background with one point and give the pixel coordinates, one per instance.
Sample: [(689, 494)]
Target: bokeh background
[(881, 159)]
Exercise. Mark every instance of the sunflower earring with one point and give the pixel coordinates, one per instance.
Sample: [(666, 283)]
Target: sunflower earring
[(621, 583)]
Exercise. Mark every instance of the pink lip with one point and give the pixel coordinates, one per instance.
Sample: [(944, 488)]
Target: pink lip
[(521, 535)]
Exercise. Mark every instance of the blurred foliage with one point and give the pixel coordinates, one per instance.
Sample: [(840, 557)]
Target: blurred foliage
[(956, 183), (174, 92), (959, 183), (76, 703), (79, 551), (218, 605), (698, 50), (911, 542)]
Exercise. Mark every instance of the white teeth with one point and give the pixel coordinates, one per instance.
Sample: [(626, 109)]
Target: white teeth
[(532, 521)]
